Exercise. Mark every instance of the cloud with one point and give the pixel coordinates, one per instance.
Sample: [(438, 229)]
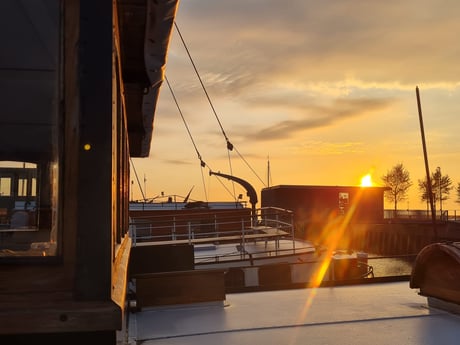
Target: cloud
[(317, 116), (315, 83), (246, 43), (177, 162), (321, 148)]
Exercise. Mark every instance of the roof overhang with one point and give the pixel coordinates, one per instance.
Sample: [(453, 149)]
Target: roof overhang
[(145, 31)]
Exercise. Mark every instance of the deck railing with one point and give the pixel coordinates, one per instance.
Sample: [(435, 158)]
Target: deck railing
[(422, 215), (190, 226)]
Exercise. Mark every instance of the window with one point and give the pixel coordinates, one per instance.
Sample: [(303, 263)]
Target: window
[(5, 186), (27, 227), (30, 71), (343, 202)]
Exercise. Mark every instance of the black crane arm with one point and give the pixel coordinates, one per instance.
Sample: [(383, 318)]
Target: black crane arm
[(250, 191)]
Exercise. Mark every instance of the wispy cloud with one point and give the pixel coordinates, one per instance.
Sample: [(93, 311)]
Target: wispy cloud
[(389, 41), (178, 162), (317, 116)]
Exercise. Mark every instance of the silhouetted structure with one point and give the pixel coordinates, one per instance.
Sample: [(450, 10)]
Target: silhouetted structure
[(319, 204)]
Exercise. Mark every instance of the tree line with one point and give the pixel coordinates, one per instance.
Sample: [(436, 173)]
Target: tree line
[(398, 180)]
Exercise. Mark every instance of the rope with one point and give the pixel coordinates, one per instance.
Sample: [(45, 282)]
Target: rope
[(229, 145), (137, 178), (202, 162), (244, 160)]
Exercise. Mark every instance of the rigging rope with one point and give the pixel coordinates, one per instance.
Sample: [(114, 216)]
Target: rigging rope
[(230, 146), (263, 183), (185, 123), (137, 178), (202, 163)]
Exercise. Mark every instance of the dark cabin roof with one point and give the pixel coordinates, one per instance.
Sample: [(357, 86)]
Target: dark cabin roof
[(322, 187), (145, 29)]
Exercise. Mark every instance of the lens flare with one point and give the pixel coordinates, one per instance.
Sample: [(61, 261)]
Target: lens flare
[(366, 181), (334, 237)]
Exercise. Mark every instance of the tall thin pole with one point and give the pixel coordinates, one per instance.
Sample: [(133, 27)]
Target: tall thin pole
[(268, 171), (427, 169), (145, 187)]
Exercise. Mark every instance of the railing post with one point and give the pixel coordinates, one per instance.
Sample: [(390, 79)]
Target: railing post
[(243, 242), (133, 231), (174, 229), (293, 233), (189, 232)]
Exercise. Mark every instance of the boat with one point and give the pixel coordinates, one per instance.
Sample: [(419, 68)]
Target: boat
[(382, 313), (252, 251), (223, 237), (91, 83), (171, 204)]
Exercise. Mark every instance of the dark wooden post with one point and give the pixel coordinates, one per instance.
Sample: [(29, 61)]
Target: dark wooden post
[(95, 152)]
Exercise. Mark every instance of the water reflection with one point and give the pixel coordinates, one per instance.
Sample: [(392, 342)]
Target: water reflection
[(389, 266)]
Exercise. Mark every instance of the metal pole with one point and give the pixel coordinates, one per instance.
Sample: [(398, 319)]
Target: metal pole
[(243, 240), (427, 169), (440, 191), (293, 233)]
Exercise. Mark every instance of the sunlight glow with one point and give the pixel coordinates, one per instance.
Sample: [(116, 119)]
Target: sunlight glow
[(333, 238), (366, 181)]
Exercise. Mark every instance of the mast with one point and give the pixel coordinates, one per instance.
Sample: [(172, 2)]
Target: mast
[(268, 171), (427, 169)]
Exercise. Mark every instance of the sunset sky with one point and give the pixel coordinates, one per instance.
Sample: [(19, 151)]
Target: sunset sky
[(323, 89)]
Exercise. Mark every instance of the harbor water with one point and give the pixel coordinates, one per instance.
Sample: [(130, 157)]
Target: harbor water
[(391, 266)]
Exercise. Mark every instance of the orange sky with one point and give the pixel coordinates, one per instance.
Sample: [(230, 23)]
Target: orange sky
[(326, 90)]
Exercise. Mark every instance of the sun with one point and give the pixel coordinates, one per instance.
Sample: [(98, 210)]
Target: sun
[(366, 181)]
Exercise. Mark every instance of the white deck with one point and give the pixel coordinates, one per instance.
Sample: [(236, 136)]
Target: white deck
[(270, 249), (384, 313)]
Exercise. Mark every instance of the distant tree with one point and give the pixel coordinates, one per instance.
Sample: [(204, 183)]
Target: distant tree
[(441, 185), (423, 190), (458, 192), (399, 182)]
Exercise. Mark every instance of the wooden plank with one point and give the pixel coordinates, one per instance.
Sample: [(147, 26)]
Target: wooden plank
[(161, 258), (182, 287), (55, 313), (120, 272)]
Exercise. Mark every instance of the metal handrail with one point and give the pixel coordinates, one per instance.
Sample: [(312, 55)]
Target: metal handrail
[(153, 228)]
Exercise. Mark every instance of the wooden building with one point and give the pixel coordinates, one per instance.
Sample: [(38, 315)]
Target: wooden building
[(79, 82), (321, 204)]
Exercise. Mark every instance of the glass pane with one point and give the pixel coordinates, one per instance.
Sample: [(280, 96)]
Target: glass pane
[(26, 228), (29, 129), (343, 202), (5, 186)]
